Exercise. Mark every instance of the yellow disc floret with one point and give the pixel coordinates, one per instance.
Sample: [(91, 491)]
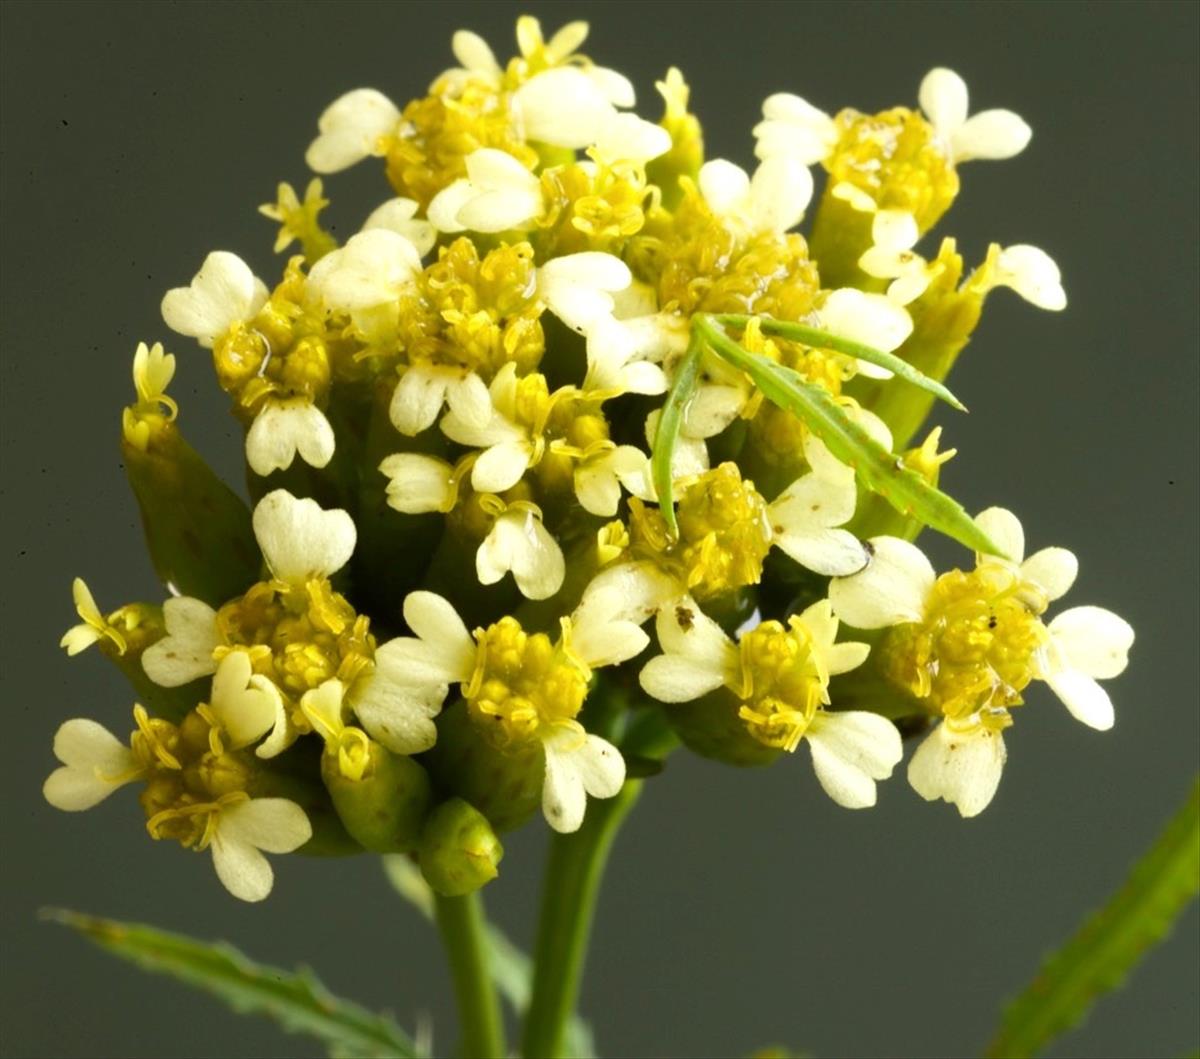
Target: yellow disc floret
[(523, 682), (974, 653), (784, 683), (897, 159)]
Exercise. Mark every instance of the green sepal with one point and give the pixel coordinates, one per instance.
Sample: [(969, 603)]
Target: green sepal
[(295, 999), (198, 530), (815, 337), (1107, 947), (385, 810), (667, 434), (459, 852), (876, 468)]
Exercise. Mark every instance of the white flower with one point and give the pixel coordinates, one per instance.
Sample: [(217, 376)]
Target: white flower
[(774, 200), (620, 353), (284, 427), (578, 764), (94, 764), (851, 750), (990, 134), (400, 216), (418, 484), (579, 288), (603, 469), (804, 518), (794, 128), (424, 389), (93, 628), (628, 138), (1031, 272), (241, 831), (962, 759), (497, 194), (894, 233), (518, 542), (353, 127), (185, 653), (247, 706), (224, 292)]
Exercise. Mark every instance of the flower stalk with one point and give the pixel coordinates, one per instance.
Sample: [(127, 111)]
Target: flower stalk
[(461, 923)]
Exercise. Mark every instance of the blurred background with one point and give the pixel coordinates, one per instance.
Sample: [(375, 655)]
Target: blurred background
[(741, 908)]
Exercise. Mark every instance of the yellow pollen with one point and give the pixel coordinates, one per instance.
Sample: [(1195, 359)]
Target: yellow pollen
[(783, 683), (522, 682), (974, 652)]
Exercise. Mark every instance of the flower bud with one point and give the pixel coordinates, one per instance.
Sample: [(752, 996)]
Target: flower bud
[(458, 851), (384, 799)]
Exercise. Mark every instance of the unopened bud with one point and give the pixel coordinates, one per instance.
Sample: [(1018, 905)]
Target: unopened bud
[(459, 852), (385, 807)]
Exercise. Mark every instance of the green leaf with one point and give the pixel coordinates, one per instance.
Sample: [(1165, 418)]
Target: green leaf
[(813, 336), (510, 967), (296, 1000), (879, 470), (1111, 942), (669, 424)]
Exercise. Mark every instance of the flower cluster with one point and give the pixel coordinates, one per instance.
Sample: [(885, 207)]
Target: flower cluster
[(577, 439)]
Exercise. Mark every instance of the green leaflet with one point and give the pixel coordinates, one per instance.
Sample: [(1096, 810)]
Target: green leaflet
[(511, 969), (877, 469), (813, 336), (1111, 942), (669, 424), (296, 1000)]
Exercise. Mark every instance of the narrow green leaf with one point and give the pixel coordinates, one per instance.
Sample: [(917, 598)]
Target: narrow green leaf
[(511, 968), (814, 336), (296, 1000), (1111, 942), (669, 424), (879, 470)]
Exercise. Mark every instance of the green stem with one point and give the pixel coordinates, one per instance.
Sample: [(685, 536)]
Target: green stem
[(573, 872), (461, 923)]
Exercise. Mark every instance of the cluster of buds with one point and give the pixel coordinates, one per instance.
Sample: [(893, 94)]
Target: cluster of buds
[(577, 438)]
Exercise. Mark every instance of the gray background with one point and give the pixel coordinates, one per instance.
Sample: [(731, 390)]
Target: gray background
[(741, 907)]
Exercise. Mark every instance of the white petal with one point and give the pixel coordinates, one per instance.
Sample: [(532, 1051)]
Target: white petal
[(246, 707), (500, 211), (95, 764), (275, 825), (601, 767), (577, 765), (603, 631), (850, 752), (990, 134), (370, 270), (418, 483), (870, 319), (724, 185), (221, 294), (628, 138), (1093, 640), (961, 769), (598, 488), (562, 107), (446, 204), (283, 428), (894, 231), (186, 652), (469, 400), (830, 552), (299, 539), (1086, 700), (519, 542), (1053, 570), (943, 98), (1033, 274), (417, 399), (472, 51), (351, 128), (892, 589), (674, 678), (813, 501), (436, 622), (780, 193), (1004, 530), (614, 86), (564, 801), (402, 722), (399, 215), (494, 170), (242, 869)]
